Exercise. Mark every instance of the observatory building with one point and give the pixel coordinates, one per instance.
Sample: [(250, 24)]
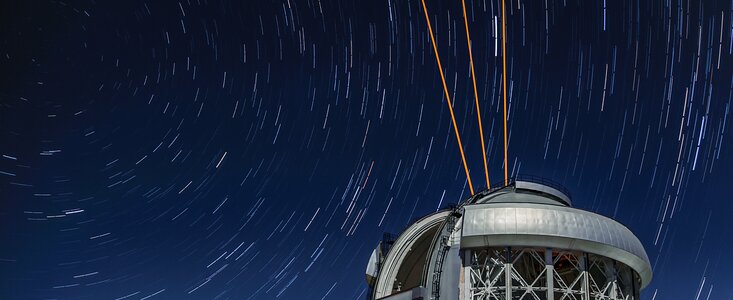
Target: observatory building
[(520, 241)]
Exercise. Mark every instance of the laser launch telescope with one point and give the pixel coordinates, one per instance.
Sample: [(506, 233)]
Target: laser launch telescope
[(520, 241)]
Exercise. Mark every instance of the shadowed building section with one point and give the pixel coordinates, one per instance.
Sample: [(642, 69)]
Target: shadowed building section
[(522, 241)]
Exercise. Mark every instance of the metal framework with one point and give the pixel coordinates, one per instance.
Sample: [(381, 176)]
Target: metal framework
[(522, 241), (546, 274), (441, 246)]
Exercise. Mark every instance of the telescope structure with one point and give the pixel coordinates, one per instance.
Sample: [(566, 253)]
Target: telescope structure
[(521, 241)]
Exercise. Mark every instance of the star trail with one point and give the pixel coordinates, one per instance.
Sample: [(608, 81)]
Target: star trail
[(206, 149)]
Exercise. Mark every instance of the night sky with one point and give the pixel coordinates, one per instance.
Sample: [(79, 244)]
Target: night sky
[(259, 149)]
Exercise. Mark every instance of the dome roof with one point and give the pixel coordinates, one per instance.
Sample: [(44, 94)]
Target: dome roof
[(538, 213), (553, 226), (527, 213), (526, 191)]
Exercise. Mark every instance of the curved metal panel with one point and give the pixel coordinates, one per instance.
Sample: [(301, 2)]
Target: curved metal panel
[(540, 225), (401, 249), (512, 195), (544, 189)]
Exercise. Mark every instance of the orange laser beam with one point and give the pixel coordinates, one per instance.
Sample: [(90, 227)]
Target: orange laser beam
[(475, 96), (447, 96)]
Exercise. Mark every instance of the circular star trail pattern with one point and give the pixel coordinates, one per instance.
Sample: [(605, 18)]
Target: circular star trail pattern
[(259, 149)]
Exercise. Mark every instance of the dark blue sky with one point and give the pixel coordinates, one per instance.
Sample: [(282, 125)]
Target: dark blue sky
[(233, 150)]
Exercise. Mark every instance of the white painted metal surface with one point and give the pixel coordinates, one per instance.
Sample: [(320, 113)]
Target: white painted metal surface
[(551, 226), (480, 258)]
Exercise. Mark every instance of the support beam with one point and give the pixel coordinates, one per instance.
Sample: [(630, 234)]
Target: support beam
[(508, 273), (508, 280), (549, 271), (611, 274), (465, 291), (585, 285)]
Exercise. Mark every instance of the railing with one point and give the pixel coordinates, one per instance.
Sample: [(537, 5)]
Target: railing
[(544, 181), (443, 246), (512, 181)]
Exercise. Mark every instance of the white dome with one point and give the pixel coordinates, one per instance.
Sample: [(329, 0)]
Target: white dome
[(437, 255), (553, 226)]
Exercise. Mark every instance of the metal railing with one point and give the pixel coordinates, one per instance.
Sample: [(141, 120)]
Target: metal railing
[(544, 181), (443, 246), (512, 182)]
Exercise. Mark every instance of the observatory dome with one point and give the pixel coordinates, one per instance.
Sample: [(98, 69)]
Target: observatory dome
[(520, 241)]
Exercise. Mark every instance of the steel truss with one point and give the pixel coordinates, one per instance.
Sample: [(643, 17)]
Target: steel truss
[(546, 274)]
